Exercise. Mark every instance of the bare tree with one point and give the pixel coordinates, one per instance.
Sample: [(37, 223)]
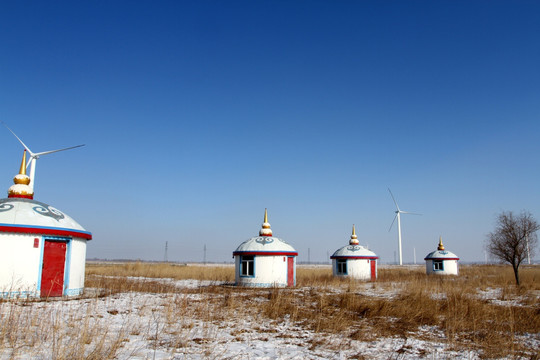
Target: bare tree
[(513, 238)]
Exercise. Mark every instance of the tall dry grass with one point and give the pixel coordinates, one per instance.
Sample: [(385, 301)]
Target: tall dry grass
[(453, 307), (59, 333), (162, 270), (450, 309), (480, 310)]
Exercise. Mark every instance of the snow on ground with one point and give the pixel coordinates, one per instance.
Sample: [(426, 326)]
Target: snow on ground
[(181, 284), (499, 297), (141, 321), (182, 326)]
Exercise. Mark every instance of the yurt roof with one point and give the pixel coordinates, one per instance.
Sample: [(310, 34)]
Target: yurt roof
[(265, 243), (441, 255), (22, 215), (354, 252)]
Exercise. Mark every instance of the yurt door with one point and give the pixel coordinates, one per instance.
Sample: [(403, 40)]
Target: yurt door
[(290, 271), (373, 269), (52, 274)]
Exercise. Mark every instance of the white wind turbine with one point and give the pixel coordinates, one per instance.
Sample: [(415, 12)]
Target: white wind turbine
[(398, 216), (35, 156)]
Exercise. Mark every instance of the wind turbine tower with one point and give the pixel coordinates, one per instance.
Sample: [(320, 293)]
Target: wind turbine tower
[(398, 216), (35, 156)]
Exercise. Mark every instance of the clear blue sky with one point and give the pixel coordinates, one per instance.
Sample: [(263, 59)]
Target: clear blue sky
[(198, 115)]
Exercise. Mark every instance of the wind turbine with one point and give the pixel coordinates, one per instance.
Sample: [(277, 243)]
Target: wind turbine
[(398, 216), (35, 156)]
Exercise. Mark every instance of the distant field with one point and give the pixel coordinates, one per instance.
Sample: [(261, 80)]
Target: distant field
[(167, 311)]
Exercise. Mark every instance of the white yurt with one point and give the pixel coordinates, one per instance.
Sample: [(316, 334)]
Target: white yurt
[(42, 250), (441, 262), (354, 261), (265, 261)]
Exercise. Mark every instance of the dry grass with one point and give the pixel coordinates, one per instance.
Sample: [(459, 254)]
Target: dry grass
[(62, 333), (162, 271), (445, 309), (402, 303), (112, 278)]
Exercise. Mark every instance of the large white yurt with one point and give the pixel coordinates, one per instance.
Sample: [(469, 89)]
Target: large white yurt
[(441, 262), (42, 250), (265, 261), (354, 261)]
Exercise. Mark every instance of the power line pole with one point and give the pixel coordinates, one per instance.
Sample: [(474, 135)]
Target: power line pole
[(204, 258), (166, 249), (308, 256)]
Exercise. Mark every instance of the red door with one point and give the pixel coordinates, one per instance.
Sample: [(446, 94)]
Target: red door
[(373, 270), (290, 271), (52, 274)]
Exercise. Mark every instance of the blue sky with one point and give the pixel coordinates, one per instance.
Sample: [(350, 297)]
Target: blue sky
[(198, 115)]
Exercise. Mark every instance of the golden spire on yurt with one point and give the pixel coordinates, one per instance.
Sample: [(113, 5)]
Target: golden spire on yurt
[(441, 246), (21, 189), (265, 231), (354, 238)]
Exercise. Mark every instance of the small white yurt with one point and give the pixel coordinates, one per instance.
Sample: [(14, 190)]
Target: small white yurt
[(42, 250), (355, 261), (441, 262), (265, 261)]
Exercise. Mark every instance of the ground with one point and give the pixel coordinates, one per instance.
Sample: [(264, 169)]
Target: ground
[(203, 319)]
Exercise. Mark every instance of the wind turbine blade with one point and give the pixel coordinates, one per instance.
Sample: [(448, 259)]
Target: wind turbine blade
[(390, 228), (53, 151), (23, 144), (406, 212), (392, 195)]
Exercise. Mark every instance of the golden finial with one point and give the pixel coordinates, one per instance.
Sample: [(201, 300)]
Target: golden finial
[(354, 238), (265, 231), (21, 180), (441, 246), (22, 171)]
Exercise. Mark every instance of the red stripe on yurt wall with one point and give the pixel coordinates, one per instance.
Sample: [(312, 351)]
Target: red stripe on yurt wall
[(46, 231), (266, 253), (354, 257)]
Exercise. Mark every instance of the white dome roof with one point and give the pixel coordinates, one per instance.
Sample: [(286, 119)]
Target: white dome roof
[(354, 251), (441, 255), (26, 215), (265, 244)]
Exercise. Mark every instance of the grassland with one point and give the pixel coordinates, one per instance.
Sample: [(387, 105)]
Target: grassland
[(480, 313)]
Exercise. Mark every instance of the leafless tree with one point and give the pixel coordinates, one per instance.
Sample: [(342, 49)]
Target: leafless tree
[(513, 237)]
